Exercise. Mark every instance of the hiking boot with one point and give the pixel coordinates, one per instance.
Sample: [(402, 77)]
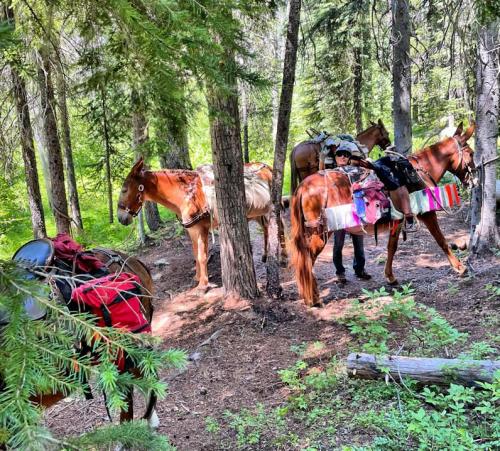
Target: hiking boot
[(363, 275), (341, 278)]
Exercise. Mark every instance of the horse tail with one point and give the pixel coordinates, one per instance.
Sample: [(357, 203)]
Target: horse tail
[(301, 255), (293, 172)]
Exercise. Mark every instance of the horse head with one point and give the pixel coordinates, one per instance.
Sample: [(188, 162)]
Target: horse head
[(132, 194), (380, 133), (462, 161)]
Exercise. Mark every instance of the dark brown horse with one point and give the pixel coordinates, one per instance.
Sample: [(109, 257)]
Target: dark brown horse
[(191, 196), (331, 188), (304, 158), (117, 262)]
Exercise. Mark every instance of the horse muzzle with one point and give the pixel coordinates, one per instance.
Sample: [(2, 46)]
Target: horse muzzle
[(124, 217)]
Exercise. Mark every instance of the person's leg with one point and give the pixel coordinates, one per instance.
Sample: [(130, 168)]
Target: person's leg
[(338, 246), (359, 257)]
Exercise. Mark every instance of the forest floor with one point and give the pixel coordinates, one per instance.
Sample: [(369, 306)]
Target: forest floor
[(237, 348)]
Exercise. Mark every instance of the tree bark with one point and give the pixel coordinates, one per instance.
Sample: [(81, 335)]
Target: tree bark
[(140, 137), (27, 144), (244, 118), (107, 153), (278, 43), (59, 203), (484, 233), (174, 136), (238, 273), (423, 370), (68, 152), (273, 286), (358, 90), (401, 75)]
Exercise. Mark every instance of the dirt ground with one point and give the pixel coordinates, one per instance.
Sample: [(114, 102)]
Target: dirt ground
[(236, 349)]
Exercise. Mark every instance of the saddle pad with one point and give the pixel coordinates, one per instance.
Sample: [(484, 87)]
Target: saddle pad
[(431, 199), (341, 217), (257, 191)]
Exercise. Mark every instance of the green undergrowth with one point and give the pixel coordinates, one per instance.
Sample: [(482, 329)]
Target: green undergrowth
[(325, 410)]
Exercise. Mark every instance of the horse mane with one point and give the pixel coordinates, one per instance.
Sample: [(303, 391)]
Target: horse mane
[(431, 148)]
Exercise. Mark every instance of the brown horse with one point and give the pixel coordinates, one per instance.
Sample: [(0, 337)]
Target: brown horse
[(117, 262), (331, 188), (304, 158), (191, 196)]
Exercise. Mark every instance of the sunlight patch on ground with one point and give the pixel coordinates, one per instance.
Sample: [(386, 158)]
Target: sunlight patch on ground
[(188, 309), (341, 309), (430, 261)]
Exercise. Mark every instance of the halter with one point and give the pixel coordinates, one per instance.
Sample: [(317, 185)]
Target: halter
[(468, 170), (388, 141), (140, 189)]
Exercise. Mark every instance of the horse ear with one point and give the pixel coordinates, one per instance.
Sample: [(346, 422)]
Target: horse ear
[(459, 129), (469, 131), (380, 123), (372, 123), (138, 166)]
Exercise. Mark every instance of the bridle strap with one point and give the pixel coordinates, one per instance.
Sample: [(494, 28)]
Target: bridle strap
[(140, 190), (460, 154)]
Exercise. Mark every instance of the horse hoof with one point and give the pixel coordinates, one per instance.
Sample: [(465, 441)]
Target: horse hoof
[(200, 290), (462, 272), (154, 421), (264, 258), (392, 282)]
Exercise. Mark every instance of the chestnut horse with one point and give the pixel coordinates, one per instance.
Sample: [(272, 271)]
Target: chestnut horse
[(117, 262), (331, 188), (304, 158), (191, 196)]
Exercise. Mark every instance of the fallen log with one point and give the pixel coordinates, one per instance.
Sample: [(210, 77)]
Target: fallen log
[(424, 370)]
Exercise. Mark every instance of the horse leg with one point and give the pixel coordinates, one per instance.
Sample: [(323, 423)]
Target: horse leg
[(202, 258), (316, 246), (128, 415), (194, 234), (431, 222), (392, 247)]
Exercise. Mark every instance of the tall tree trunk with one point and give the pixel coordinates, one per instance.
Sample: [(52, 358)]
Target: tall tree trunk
[(174, 135), (59, 204), (140, 137), (107, 152), (41, 146), (358, 89), (244, 118), (68, 152), (278, 43), (484, 234), (27, 145), (273, 277), (238, 273), (401, 75)]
